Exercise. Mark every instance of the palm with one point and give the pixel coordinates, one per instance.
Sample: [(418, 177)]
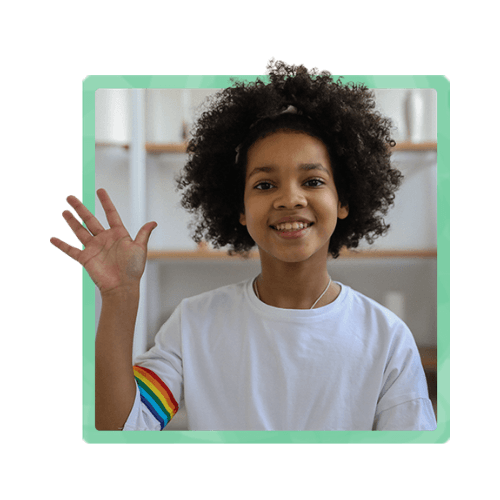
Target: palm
[(113, 258), (110, 256)]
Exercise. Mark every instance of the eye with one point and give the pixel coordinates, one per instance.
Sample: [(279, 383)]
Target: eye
[(264, 186), (314, 182)]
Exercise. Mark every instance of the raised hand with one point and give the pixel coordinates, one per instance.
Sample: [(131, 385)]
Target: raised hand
[(112, 258)]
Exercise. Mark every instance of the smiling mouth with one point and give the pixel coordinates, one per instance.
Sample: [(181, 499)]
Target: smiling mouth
[(291, 226)]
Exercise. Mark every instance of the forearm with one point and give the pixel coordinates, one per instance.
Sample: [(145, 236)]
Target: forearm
[(114, 379)]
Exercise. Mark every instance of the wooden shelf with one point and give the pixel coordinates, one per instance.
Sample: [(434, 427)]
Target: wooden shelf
[(410, 146), (181, 147), (388, 254), (428, 356), (207, 254), (151, 147)]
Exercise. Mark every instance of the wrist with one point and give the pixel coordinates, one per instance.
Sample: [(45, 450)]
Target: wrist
[(125, 292)]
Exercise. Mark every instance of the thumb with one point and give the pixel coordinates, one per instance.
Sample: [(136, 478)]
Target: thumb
[(144, 233)]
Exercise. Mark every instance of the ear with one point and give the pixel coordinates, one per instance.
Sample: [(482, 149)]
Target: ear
[(243, 220), (342, 211)]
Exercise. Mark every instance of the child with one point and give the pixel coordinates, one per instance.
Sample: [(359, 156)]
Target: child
[(299, 167)]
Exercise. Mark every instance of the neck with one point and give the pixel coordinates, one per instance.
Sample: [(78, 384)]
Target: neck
[(295, 285)]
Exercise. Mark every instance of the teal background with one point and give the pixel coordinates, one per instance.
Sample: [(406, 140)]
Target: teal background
[(442, 86), (48, 48)]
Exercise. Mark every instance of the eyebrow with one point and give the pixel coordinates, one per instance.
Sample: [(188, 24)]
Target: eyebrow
[(304, 166)]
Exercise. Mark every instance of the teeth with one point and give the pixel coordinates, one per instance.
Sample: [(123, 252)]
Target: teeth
[(291, 226)]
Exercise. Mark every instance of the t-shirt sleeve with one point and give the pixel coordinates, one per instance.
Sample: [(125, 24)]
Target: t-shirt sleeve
[(404, 403), (159, 380), (413, 415)]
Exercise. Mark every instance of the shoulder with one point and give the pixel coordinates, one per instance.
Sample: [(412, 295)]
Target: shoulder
[(201, 310), (370, 315), (366, 306), (225, 295), (387, 334)]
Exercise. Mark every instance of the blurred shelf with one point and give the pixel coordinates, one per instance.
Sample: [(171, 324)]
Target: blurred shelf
[(429, 358), (204, 253), (418, 146), (428, 355), (151, 147), (180, 147), (389, 254)]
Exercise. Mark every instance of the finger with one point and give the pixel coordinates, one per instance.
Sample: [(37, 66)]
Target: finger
[(93, 225), (73, 252), (144, 233), (109, 209), (81, 233)]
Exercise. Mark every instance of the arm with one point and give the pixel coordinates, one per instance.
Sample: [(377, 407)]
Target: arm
[(404, 402), (115, 263), (114, 379)]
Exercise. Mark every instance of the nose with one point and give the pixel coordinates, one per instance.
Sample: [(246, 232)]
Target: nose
[(290, 196)]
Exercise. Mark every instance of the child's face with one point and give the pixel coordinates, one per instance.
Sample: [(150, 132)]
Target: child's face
[(289, 178)]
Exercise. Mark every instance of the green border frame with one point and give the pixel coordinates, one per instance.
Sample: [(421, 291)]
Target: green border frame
[(440, 435)]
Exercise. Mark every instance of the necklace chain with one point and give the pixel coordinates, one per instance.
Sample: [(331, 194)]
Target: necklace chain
[(312, 307)]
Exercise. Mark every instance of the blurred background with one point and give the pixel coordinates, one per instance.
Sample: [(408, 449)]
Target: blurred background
[(141, 139)]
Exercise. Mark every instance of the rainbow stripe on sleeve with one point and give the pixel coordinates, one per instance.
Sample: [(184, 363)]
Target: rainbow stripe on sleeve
[(155, 395)]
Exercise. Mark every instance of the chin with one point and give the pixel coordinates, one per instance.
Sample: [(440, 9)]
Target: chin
[(289, 257)]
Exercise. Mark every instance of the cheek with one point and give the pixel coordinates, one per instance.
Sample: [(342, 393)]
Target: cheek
[(254, 218), (245, 214), (252, 207), (330, 214), (328, 229)]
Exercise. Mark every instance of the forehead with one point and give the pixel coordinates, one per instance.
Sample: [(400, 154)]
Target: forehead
[(287, 149)]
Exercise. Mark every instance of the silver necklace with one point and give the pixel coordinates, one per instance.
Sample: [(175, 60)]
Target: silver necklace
[(317, 300)]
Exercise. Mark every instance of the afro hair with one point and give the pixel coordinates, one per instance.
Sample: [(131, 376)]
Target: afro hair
[(342, 116)]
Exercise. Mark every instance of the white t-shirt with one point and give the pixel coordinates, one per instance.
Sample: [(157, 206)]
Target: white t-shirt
[(240, 364)]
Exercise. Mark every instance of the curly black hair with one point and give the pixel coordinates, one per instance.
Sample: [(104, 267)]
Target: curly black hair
[(342, 116)]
